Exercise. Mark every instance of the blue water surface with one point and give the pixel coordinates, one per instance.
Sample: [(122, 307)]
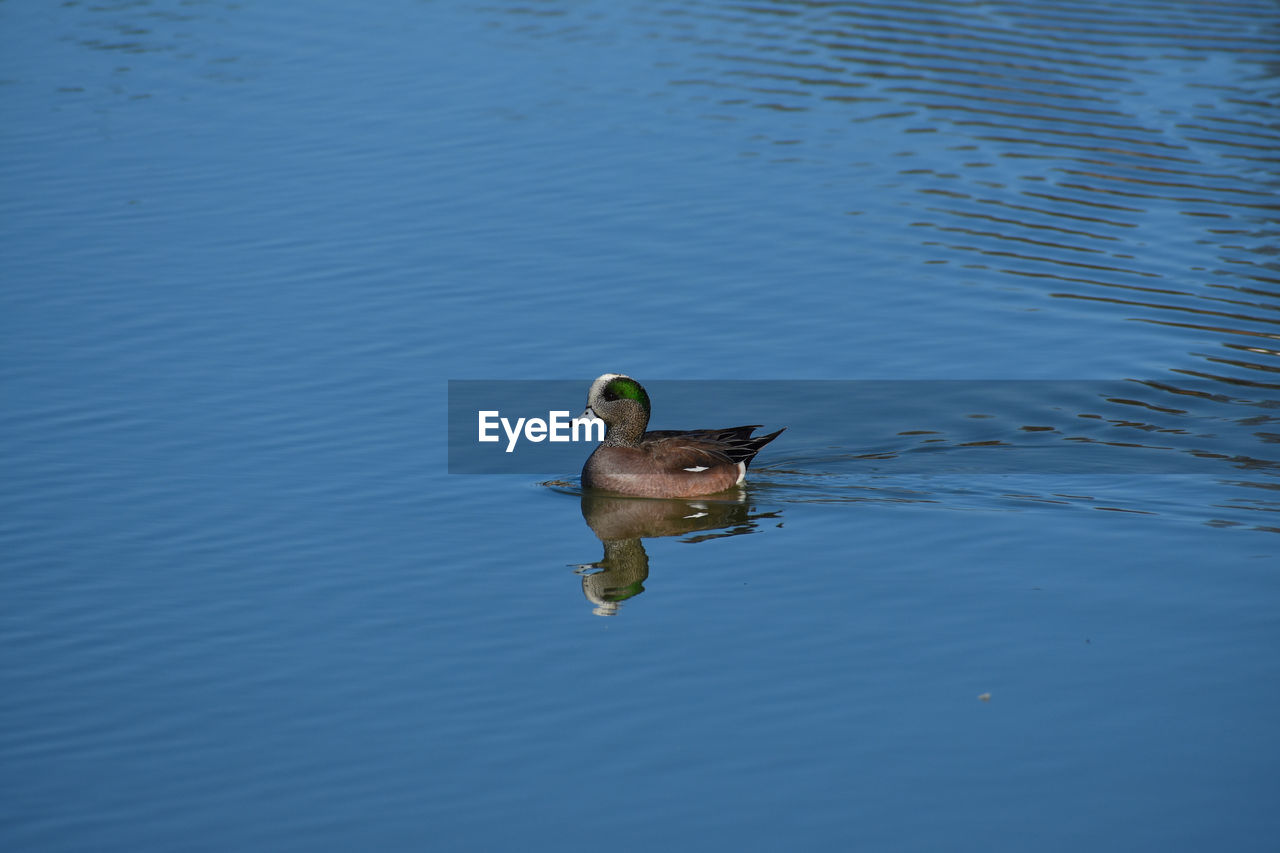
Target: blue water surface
[(246, 246)]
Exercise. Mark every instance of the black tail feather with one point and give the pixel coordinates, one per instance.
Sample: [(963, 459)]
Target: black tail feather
[(735, 442)]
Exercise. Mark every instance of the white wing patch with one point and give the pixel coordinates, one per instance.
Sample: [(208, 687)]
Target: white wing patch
[(696, 469)]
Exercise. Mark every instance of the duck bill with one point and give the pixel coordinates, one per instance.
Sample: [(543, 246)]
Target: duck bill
[(587, 415)]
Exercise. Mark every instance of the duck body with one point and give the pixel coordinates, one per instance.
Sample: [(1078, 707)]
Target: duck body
[(661, 463)]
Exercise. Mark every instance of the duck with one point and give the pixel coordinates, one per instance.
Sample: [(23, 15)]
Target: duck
[(661, 463)]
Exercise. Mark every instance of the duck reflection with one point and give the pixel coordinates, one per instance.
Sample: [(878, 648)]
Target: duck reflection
[(621, 522)]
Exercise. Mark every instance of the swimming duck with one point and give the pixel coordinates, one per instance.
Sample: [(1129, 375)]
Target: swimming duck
[(661, 463)]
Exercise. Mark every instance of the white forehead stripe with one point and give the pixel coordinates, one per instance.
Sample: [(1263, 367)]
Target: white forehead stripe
[(597, 387)]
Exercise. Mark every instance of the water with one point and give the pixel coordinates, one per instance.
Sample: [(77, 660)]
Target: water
[(246, 606)]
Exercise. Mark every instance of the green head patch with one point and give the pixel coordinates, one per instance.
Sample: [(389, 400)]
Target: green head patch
[(627, 387)]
